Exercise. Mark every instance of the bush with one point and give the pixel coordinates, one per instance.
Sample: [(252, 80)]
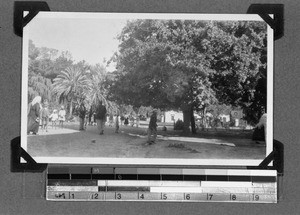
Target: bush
[(179, 125)]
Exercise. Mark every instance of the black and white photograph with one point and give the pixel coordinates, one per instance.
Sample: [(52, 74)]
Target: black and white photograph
[(147, 89)]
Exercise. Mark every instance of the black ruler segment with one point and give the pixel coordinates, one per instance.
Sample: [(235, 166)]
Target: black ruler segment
[(58, 176), (263, 179), (126, 177), (149, 177), (103, 176), (239, 178), (217, 178), (172, 177), (123, 188), (194, 177), (81, 176)]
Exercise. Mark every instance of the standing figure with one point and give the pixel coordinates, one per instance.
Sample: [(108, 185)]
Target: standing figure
[(45, 116), (100, 117), (62, 116), (82, 112), (117, 123), (111, 120), (131, 118), (152, 129), (90, 116), (54, 118), (33, 116), (126, 121), (86, 120), (260, 131)]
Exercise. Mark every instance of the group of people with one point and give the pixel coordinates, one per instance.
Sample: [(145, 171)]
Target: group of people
[(99, 116), (99, 113), (38, 114)]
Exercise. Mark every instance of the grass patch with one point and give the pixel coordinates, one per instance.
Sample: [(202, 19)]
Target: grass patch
[(182, 147), (177, 145)]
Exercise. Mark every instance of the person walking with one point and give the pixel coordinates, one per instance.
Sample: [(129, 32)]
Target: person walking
[(33, 116), (100, 117), (45, 116), (152, 129), (117, 122), (81, 112)]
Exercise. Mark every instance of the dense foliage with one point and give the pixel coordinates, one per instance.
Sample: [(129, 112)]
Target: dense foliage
[(186, 65), (191, 65)]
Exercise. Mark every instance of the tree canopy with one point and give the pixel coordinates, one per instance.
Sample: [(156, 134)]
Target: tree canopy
[(189, 64)]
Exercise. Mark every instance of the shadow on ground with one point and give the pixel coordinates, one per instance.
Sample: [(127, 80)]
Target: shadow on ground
[(125, 145)]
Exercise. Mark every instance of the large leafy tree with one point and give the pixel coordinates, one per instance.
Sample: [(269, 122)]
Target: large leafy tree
[(236, 50), (159, 67), (47, 61), (187, 65), (38, 85)]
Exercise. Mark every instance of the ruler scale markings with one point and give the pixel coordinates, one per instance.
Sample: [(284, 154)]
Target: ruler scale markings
[(172, 196)]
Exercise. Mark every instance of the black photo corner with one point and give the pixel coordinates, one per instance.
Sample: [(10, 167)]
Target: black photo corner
[(17, 152), (33, 7)]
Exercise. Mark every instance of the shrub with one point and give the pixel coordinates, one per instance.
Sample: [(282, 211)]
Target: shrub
[(179, 125)]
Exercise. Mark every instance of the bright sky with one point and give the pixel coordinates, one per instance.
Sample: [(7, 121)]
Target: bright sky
[(87, 39), (92, 36)]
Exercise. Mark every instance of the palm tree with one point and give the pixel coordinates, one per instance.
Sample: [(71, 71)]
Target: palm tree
[(96, 90), (70, 85)]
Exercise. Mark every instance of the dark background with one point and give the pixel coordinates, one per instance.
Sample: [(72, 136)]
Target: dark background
[(22, 193)]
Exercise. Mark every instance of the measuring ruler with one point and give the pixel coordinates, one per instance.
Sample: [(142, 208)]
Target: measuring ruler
[(150, 184)]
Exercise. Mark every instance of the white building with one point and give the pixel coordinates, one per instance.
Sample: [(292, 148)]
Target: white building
[(172, 116), (224, 117)]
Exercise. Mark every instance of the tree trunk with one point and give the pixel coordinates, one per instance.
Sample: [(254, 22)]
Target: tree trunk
[(203, 119), (186, 119), (193, 126), (71, 108)]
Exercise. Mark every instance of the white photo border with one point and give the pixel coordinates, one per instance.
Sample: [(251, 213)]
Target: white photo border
[(150, 161)]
